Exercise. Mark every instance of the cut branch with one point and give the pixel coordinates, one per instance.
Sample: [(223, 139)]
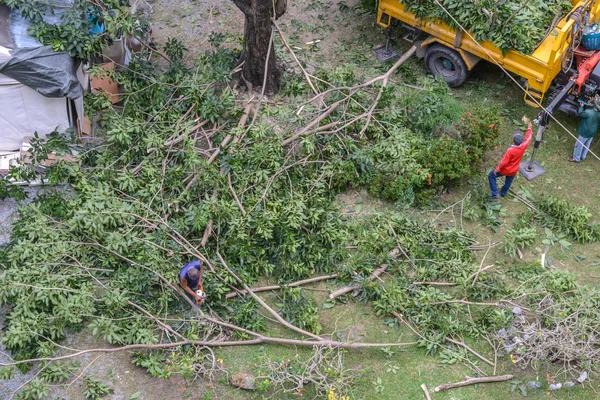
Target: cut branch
[(228, 138), (472, 381), (426, 392), (259, 340), (265, 305), (237, 200), (374, 275), (276, 287), (469, 303), (314, 122), (295, 58), (476, 354)]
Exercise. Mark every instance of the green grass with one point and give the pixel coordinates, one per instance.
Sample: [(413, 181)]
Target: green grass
[(414, 366)]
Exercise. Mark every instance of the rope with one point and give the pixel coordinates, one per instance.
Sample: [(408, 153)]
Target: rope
[(514, 80)]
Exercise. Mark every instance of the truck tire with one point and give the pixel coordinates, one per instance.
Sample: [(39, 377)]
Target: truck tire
[(447, 64)]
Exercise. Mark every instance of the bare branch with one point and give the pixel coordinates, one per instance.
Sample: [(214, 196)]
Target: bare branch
[(374, 275), (276, 287), (472, 381)]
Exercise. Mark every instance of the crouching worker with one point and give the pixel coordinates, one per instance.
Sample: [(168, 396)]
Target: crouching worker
[(190, 278), (509, 165)]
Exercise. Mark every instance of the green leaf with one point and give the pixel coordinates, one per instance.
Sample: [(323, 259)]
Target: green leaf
[(135, 395), (564, 243), (328, 305), (523, 389)]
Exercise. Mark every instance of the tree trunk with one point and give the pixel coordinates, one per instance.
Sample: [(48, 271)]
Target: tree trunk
[(257, 35)]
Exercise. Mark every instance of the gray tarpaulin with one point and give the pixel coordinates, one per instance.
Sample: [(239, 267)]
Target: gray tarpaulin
[(49, 73)]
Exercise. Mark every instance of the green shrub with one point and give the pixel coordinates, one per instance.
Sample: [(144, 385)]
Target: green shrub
[(300, 310), (447, 160)]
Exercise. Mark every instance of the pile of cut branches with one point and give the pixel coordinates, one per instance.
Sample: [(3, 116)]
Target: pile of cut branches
[(510, 25)]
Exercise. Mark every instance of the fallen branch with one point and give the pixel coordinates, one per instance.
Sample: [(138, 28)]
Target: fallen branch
[(265, 305), (374, 275), (386, 77), (206, 233), (480, 270), (367, 114), (427, 396), (237, 200), (476, 354), (261, 339), (472, 381), (276, 287), (423, 338), (400, 247), (314, 122), (469, 303), (435, 283), (228, 138), (294, 56)]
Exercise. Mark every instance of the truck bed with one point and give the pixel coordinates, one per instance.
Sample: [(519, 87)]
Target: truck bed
[(538, 69)]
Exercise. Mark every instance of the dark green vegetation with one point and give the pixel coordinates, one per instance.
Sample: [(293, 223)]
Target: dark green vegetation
[(73, 33), (509, 25), (142, 202)]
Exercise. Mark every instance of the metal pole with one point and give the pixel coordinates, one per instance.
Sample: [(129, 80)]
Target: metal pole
[(538, 139)]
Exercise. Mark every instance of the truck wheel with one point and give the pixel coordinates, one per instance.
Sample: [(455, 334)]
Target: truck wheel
[(446, 63)]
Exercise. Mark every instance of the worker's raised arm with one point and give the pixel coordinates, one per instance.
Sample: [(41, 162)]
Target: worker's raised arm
[(528, 136), (581, 113)]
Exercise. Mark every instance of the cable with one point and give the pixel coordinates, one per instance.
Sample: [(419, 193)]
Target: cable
[(513, 79)]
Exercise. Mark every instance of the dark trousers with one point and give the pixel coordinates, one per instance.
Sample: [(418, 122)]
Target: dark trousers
[(494, 187)]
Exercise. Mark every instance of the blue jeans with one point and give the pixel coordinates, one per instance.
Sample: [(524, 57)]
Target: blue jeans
[(494, 188), (580, 151)]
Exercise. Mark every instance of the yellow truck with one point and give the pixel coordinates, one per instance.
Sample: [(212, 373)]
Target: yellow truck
[(452, 53)]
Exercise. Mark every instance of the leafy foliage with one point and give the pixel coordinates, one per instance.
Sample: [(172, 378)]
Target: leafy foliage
[(58, 372), (73, 34), (300, 310), (518, 238), (508, 24), (560, 215), (37, 389), (94, 388)]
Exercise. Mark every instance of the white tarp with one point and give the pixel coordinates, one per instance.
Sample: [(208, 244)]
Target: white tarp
[(24, 111)]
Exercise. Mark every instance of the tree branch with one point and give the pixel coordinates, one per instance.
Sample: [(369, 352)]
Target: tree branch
[(426, 392), (476, 354), (276, 287), (472, 381), (265, 305), (374, 275), (259, 340), (237, 200)]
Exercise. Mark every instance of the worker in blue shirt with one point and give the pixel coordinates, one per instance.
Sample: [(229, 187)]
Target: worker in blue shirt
[(190, 278)]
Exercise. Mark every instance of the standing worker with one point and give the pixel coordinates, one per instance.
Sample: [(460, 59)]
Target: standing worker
[(590, 119), (190, 278), (509, 165)]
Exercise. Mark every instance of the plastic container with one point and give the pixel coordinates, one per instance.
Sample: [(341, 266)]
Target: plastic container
[(591, 38)]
